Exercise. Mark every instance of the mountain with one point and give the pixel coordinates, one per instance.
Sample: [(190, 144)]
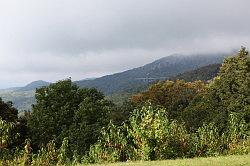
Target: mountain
[(204, 73), (164, 68), (33, 85), (189, 67)]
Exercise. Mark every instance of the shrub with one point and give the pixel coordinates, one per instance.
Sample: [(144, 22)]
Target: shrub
[(5, 138), (46, 156), (155, 136), (111, 147), (206, 142), (148, 135)]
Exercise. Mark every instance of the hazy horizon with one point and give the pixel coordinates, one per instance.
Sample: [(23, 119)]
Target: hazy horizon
[(52, 40)]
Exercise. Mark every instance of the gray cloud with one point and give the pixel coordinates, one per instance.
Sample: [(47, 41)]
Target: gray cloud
[(51, 40)]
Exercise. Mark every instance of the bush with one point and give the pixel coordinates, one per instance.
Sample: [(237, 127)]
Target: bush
[(155, 136), (206, 142)]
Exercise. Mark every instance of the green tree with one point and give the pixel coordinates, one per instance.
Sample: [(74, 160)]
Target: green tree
[(91, 116), (230, 90), (227, 93), (64, 110), (232, 86)]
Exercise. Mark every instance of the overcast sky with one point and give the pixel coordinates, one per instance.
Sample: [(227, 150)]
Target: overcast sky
[(57, 39)]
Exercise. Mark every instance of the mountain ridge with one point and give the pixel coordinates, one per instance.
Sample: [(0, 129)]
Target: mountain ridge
[(129, 81), (160, 69)]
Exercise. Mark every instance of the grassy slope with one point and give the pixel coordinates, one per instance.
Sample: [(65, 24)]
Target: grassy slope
[(236, 160)]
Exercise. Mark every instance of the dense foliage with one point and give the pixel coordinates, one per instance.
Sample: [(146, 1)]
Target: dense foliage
[(13, 130), (175, 96), (64, 110), (149, 135), (228, 92), (172, 119)]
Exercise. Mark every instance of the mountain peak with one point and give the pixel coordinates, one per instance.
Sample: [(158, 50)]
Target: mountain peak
[(35, 84)]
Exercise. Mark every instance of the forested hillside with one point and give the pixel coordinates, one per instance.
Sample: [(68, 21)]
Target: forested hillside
[(162, 69), (205, 73), (70, 125)]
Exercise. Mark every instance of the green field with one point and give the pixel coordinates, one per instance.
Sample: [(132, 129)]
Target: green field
[(236, 160)]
